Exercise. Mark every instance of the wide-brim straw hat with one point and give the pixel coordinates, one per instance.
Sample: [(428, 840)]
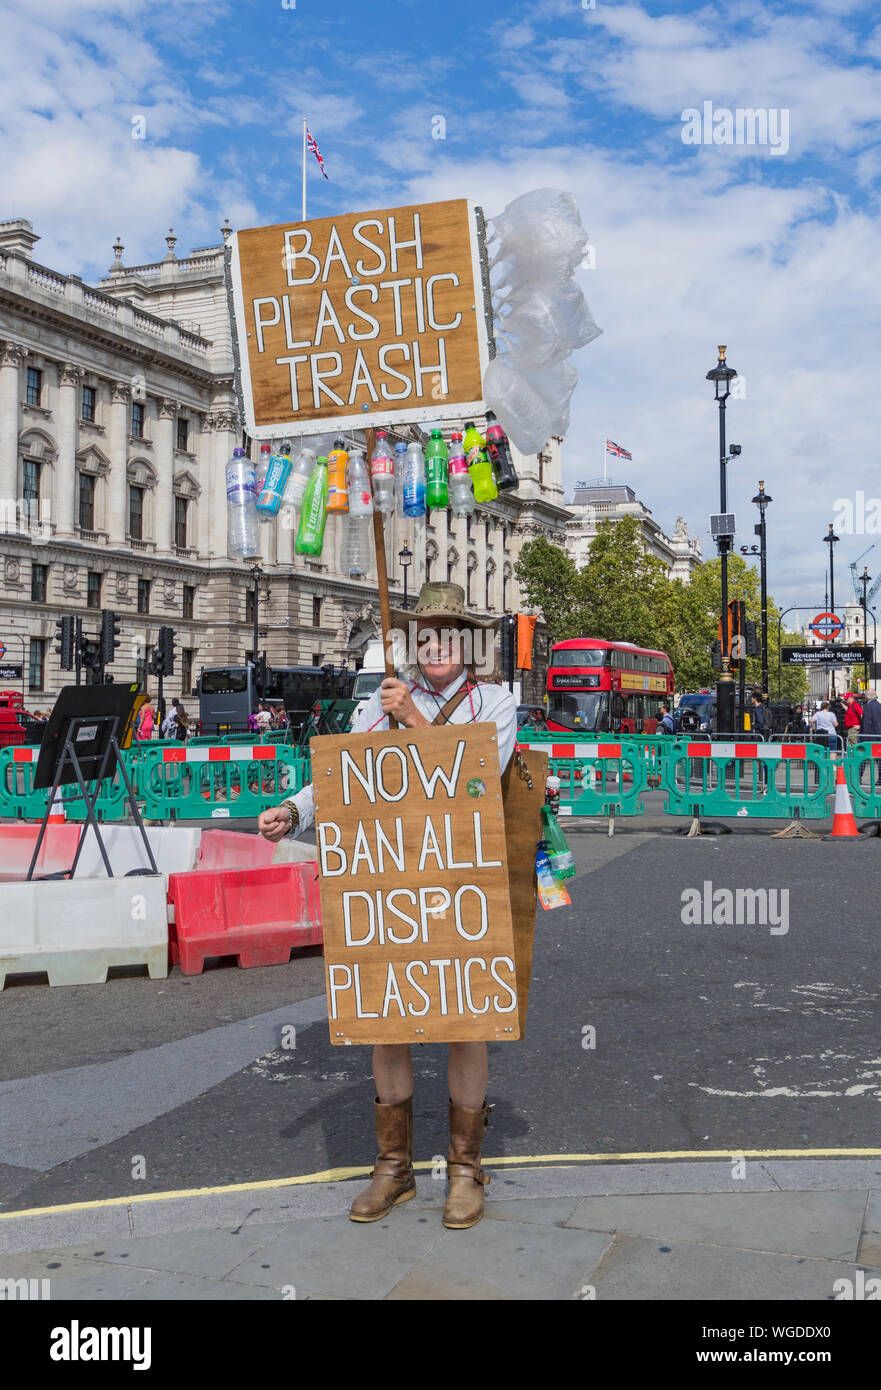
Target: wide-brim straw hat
[(440, 600)]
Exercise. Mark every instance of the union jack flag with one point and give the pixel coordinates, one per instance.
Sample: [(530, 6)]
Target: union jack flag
[(616, 451), (313, 146)]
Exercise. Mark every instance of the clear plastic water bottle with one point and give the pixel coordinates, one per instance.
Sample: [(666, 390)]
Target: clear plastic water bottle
[(274, 484), (400, 471), (414, 481), (355, 555), (298, 481), (358, 485), (241, 506), (460, 484), (382, 469)]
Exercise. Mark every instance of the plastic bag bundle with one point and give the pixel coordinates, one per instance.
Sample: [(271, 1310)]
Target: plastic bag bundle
[(541, 315)]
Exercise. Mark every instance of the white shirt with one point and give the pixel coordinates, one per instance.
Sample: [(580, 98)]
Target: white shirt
[(491, 704)]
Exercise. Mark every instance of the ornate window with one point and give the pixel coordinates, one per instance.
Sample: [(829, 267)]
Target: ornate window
[(34, 392)]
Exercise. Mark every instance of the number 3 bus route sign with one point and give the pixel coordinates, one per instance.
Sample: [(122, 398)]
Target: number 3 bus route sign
[(348, 322)]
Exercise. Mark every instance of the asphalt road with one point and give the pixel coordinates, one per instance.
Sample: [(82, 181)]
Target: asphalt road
[(707, 1036)]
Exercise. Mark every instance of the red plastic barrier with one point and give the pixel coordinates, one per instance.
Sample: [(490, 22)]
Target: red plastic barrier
[(17, 845), (257, 915), (233, 849)]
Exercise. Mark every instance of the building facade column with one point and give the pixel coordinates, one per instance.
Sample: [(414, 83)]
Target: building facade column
[(65, 500), (120, 397), (11, 357), (165, 470), (226, 438)]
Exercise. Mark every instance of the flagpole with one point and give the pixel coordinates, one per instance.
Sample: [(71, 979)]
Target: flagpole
[(304, 169), (604, 460)]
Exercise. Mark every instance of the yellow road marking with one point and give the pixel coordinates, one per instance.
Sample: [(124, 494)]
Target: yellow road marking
[(528, 1160)]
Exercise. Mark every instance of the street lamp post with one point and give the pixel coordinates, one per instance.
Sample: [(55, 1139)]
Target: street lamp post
[(865, 579), (831, 540), (405, 557), (722, 375)]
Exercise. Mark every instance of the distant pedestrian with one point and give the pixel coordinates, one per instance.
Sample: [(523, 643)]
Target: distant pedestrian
[(870, 725), (665, 721), (181, 724), (824, 722), (853, 716), (168, 729), (758, 714), (146, 721)]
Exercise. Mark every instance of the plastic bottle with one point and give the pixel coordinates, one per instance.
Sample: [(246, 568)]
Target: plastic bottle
[(437, 494), (261, 467), (500, 454), (552, 792), (382, 468), (274, 484), (461, 489), (355, 556), (241, 497), (400, 470), (310, 532), (414, 481), (337, 498), (560, 856), (551, 892), (298, 481), (479, 466)]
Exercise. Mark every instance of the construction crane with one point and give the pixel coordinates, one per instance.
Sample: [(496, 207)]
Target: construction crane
[(857, 582)]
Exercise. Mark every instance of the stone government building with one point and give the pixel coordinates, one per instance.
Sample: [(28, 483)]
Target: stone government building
[(117, 417)]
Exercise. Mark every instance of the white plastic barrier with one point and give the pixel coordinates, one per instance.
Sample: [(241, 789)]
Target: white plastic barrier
[(294, 852), (175, 850), (76, 930)]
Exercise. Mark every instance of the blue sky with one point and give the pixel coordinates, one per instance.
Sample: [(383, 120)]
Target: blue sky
[(777, 255)]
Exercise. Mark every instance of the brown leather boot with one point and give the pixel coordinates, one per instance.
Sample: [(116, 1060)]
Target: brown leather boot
[(464, 1206), (393, 1180)]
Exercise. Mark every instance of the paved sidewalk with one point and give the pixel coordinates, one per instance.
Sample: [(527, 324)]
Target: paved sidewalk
[(790, 1229)]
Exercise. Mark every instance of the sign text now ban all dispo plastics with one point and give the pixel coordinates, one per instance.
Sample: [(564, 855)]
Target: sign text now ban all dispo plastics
[(418, 941), (352, 321)]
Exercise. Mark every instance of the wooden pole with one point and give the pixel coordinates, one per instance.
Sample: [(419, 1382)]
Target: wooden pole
[(382, 578)]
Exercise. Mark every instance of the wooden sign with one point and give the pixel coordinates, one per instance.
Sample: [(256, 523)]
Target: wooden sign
[(351, 322), (418, 940)]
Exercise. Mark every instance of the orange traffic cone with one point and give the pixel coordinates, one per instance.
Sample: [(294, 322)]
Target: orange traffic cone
[(843, 824), (56, 812)]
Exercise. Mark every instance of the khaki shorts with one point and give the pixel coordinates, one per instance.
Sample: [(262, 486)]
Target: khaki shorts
[(853, 736)]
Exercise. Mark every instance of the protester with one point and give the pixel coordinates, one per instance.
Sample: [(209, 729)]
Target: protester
[(425, 698)]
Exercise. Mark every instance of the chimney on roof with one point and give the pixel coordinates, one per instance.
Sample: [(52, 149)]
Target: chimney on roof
[(18, 236)]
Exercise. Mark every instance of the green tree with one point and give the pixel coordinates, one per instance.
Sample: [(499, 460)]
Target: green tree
[(623, 591)]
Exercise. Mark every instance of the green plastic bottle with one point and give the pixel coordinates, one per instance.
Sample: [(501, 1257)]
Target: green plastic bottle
[(437, 494), (560, 856), (479, 466), (313, 512)]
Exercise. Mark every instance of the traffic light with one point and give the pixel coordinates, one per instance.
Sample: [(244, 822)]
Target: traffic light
[(261, 675), (753, 645), (109, 636), (65, 648), (166, 647), (157, 662), (717, 654), (508, 645), (738, 637)]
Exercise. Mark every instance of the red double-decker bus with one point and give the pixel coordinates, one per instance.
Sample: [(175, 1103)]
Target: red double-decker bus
[(607, 687)]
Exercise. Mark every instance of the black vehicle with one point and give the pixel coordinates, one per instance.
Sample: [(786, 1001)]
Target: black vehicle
[(228, 695)]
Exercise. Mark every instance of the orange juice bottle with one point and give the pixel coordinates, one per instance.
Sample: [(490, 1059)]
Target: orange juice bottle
[(337, 496)]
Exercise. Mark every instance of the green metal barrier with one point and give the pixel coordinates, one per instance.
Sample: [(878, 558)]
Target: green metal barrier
[(738, 778), (596, 778), (219, 782), (862, 771)]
